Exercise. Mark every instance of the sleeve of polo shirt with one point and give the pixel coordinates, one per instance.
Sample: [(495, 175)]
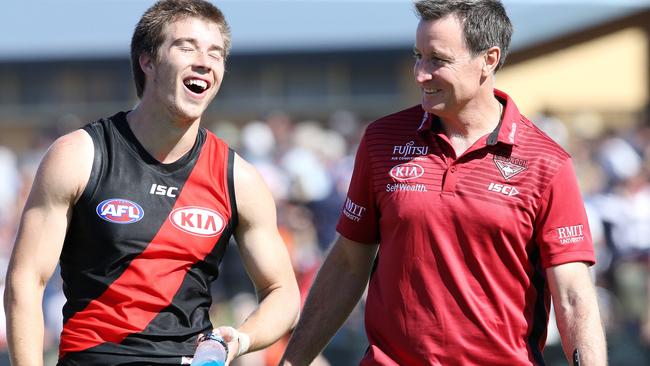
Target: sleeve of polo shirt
[(562, 228), (359, 216)]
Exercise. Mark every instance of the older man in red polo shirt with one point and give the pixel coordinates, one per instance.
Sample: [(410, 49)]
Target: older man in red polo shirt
[(474, 212)]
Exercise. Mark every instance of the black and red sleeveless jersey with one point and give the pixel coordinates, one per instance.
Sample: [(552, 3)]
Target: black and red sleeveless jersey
[(143, 246)]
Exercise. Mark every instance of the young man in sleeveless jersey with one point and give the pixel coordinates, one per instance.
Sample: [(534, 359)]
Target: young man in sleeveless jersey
[(139, 208), (475, 215)]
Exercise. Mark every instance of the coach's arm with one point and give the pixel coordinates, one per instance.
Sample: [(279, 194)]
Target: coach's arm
[(576, 310), (59, 181), (336, 290)]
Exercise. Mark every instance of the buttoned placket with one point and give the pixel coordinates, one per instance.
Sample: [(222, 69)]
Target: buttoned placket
[(453, 164)]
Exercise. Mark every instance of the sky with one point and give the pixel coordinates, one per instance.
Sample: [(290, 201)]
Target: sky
[(36, 29)]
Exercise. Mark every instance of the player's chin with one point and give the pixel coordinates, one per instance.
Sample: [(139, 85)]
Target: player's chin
[(188, 113)]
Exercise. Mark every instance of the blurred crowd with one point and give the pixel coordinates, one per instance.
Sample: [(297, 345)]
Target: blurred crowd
[(307, 166)]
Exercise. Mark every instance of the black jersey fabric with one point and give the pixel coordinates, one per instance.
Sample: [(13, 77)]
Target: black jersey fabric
[(143, 246)]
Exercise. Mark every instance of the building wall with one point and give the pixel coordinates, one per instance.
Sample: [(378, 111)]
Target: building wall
[(605, 75)]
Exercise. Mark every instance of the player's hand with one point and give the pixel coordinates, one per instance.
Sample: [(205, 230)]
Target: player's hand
[(235, 340)]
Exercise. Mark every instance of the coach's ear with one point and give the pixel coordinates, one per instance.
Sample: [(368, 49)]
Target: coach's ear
[(491, 60)]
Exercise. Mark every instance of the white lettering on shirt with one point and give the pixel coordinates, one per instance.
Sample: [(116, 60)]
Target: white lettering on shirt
[(353, 211), (503, 189), (409, 151), (399, 187), (570, 234)]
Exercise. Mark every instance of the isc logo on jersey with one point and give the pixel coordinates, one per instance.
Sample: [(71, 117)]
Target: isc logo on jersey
[(406, 171), (197, 221), (120, 211)]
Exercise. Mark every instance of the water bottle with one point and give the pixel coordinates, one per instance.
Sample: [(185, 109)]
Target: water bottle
[(212, 351)]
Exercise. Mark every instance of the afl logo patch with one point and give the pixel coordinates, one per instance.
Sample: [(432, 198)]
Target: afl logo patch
[(406, 171), (120, 211), (197, 221)]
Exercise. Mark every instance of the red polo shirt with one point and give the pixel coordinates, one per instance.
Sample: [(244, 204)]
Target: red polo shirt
[(464, 241)]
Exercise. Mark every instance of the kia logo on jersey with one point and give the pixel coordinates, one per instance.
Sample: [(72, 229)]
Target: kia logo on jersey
[(120, 211), (197, 221), (406, 171)]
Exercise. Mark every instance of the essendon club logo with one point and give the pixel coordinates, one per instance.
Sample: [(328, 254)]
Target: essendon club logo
[(509, 167)]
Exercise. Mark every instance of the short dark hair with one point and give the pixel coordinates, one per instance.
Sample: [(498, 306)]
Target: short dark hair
[(485, 22), (148, 33)]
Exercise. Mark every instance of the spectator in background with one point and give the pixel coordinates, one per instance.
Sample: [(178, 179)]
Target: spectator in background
[(9, 189), (476, 215), (618, 159), (10, 183), (625, 212)]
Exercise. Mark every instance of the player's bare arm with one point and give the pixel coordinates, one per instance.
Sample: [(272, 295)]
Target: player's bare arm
[(576, 310), (60, 179), (265, 258), (337, 289)]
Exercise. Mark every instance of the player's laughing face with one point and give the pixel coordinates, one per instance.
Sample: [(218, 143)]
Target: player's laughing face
[(445, 70), (189, 68)]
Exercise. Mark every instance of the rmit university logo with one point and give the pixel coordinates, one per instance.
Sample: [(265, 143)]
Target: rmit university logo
[(197, 221), (406, 171), (570, 234), (353, 211), (120, 211)]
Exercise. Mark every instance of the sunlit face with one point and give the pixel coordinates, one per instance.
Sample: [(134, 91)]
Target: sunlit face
[(188, 71), (445, 70)]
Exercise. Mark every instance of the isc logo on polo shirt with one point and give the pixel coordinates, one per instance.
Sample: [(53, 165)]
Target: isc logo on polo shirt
[(503, 189)]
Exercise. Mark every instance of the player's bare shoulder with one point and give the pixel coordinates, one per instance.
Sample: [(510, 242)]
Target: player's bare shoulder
[(66, 166), (251, 192), (248, 181)]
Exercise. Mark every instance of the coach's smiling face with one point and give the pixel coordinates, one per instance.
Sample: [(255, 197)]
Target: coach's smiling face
[(448, 74)]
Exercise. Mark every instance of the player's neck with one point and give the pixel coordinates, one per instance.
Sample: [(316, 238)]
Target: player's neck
[(164, 138)]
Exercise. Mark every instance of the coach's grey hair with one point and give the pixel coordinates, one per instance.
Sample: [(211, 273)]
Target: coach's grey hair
[(485, 22)]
